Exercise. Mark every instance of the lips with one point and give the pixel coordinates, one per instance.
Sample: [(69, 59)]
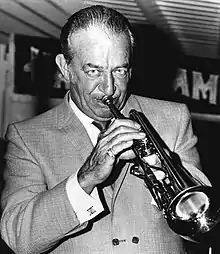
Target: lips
[(99, 101)]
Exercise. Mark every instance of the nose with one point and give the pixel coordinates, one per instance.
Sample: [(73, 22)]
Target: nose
[(107, 86)]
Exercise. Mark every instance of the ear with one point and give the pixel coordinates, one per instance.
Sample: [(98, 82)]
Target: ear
[(62, 64)]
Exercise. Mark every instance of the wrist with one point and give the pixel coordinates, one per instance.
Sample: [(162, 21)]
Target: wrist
[(85, 182)]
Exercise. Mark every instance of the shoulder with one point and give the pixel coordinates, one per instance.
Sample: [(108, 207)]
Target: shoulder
[(168, 118), (38, 120), (36, 125), (49, 118), (157, 106)]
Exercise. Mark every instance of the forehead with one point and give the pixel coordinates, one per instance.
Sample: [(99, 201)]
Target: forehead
[(97, 42)]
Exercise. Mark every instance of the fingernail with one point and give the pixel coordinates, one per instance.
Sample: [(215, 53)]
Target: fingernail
[(142, 134), (137, 125)]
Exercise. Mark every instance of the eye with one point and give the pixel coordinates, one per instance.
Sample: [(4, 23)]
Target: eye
[(121, 72), (93, 73)]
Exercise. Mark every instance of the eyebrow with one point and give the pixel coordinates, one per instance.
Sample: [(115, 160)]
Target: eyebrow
[(91, 65), (126, 65)]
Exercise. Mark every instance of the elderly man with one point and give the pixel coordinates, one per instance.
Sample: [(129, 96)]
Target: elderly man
[(67, 185)]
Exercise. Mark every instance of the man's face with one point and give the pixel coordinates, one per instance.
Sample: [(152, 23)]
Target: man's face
[(100, 66)]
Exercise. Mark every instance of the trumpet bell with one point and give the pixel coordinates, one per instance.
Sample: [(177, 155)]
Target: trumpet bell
[(194, 214)]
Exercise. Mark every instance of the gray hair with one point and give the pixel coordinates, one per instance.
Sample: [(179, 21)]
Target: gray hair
[(94, 15)]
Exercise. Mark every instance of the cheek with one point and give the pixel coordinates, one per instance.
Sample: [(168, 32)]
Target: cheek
[(90, 86), (122, 84), (78, 81), (86, 87)]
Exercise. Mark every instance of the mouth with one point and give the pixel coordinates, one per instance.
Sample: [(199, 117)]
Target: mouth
[(101, 103)]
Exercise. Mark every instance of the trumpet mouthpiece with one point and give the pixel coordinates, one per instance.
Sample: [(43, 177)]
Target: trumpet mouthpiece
[(107, 100)]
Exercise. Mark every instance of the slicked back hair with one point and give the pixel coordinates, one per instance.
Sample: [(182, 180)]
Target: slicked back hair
[(85, 18)]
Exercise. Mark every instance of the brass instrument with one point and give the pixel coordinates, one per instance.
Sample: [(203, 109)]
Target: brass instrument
[(188, 205)]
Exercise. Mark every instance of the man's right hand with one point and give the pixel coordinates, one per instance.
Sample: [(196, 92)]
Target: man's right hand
[(114, 143)]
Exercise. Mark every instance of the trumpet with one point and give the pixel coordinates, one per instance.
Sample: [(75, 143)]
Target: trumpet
[(188, 205)]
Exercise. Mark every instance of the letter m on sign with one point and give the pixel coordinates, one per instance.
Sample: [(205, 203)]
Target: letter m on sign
[(201, 88)]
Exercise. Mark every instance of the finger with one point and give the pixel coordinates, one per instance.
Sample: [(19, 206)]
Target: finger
[(127, 123), (123, 146), (124, 139), (127, 154), (122, 133)]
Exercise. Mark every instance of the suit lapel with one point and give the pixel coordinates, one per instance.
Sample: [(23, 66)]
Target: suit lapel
[(74, 131)]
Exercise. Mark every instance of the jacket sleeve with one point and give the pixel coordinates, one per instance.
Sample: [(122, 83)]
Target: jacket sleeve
[(185, 145), (34, 217)]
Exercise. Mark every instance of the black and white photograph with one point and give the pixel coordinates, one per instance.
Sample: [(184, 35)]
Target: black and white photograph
[(109, 126)]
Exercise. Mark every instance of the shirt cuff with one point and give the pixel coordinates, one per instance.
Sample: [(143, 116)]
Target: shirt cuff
[(84, 205)]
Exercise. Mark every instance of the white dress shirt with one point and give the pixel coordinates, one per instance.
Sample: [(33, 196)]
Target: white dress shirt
[(85, 206)]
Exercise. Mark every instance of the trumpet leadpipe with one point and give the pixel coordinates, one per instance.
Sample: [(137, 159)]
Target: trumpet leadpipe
[(115, 112)]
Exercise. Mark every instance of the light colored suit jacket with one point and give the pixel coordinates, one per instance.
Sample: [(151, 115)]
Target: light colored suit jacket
[(44, 151)]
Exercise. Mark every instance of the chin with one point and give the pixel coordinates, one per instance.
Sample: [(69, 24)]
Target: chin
[(105, 115)]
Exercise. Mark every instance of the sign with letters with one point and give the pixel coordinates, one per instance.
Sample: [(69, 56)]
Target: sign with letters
[(197, 83)]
